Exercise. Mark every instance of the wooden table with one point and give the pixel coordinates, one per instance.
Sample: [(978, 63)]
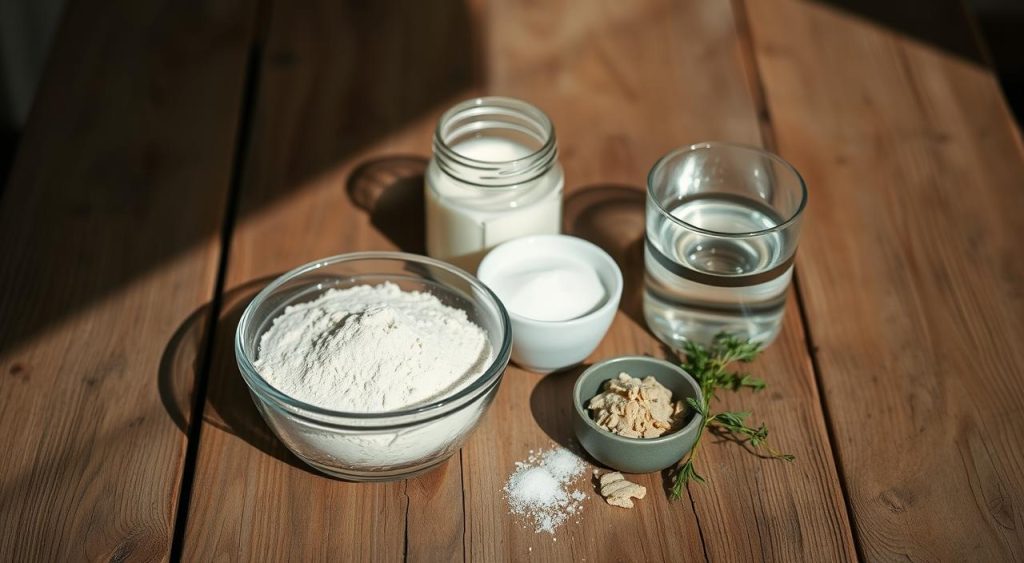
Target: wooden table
[(180, 153)]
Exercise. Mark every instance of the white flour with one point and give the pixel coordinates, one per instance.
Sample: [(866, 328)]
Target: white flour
[(373, 349)]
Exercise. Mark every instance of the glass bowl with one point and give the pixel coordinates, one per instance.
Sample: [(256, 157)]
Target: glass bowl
[(375, 446)]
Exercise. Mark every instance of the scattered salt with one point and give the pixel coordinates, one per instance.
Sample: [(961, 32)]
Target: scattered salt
[(539, 489), (536, 486), (562, 464)]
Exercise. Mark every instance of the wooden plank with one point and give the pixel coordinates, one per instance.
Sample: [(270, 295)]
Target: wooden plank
[(622, 86), (625, 83), (110, 238), (910, 271), (348, 96)]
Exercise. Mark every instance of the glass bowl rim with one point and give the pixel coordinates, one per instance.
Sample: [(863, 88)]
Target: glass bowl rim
[(265, 390)]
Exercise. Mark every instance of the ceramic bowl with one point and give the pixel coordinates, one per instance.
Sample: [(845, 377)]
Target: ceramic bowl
[(635, 455), (546, 346)]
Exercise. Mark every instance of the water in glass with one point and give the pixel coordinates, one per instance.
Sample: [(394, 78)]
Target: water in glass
[(698, 284)]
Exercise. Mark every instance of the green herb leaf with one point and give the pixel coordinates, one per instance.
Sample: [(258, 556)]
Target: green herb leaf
[(709, 366), (696, 406), (752, 382), (683, 477), (734, 419)]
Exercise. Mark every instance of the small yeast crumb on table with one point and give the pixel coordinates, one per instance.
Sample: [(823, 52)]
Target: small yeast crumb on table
[(619, 491)]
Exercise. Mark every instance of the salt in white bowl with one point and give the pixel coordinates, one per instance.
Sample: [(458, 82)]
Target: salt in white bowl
[(548, 345)]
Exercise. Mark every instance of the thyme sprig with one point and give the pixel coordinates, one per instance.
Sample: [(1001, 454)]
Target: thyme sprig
[(710, 367)]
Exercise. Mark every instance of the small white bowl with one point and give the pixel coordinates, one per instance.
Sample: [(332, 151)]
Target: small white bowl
[(546, 346)]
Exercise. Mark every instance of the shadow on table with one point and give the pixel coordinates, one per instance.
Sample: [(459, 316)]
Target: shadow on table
[(612, 217), (390, 190), (940, 23), (329, 81), (552, 407), (228, 404)]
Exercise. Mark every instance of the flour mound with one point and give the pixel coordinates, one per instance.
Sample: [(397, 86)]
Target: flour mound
[(372, 349)]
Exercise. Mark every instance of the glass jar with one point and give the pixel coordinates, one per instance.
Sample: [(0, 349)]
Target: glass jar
[(494, 176)]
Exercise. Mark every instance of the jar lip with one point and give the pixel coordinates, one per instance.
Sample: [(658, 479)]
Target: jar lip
[(495, 173)]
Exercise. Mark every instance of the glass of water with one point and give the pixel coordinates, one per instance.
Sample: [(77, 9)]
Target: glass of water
[(722, 228)]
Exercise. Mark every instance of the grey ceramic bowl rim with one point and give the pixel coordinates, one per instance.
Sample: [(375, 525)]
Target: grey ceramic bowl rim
[(582, 412)]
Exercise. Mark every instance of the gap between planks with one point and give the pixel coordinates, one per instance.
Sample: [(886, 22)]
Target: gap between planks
[(242, 147), (250, 91), (757, 93)]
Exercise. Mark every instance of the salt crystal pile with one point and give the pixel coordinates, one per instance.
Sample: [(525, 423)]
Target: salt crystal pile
[(539, 489)]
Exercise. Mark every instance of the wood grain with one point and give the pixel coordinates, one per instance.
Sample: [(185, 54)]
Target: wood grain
[(625, 83), (109, 236), (911, 273), (324, 153), (348, 96)]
